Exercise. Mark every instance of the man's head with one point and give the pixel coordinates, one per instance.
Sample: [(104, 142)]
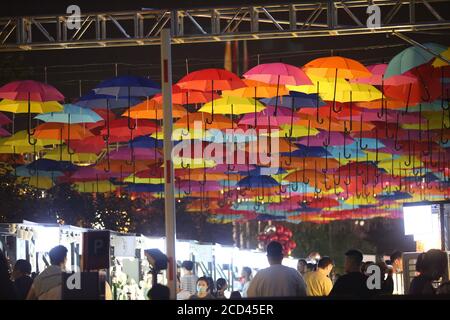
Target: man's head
[(159, 292), (325, 264), (246, 272), (274, 253), (353, 260), (58, 256), (21, 268), (397, 261), (302, 266), (188, 266)]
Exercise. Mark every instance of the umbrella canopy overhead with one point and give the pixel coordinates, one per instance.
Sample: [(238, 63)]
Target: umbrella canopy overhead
[(30, 90), (35, 106), (128, 86), (278, 73), (71, 114)]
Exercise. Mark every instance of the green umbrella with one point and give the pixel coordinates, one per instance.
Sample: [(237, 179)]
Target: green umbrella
[(410, 58)]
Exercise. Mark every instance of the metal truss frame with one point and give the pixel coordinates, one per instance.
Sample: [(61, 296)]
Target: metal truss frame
[(285, 20)]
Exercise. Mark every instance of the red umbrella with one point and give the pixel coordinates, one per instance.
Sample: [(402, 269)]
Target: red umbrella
[(210, 80), (120, 132), (104, 114), (184, 96), (93, 144)]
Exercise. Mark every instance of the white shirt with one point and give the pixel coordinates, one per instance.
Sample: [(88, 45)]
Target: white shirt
[(277, 281)]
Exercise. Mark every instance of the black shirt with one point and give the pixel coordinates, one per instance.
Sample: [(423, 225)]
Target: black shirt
[(22, 285), (421, 285), (352, 285)]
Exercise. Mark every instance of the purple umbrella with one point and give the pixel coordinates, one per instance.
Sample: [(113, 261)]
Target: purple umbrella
[(283, 116), (196, 186), (4, 132), (90, 173), (128, 154), (336, 139)]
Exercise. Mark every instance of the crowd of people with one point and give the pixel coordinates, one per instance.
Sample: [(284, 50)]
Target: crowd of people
[(313, 278)]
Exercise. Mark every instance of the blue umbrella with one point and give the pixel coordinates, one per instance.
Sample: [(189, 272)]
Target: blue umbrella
[(258, 181), (128, 86), (395, 196), (295, 100), (146, 142), (23, 171), (305, 152), (71, 114), (143, 187), (51, 165), (93, 100)]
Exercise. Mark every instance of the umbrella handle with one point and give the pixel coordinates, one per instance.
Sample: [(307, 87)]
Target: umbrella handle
[(325, 182), (360, 134), (320, 121), (71, 153), (408, 163), (31, 140), (396, 146), (443, 128), (108, 168), (380, 116), (339, 173), (427, 153)]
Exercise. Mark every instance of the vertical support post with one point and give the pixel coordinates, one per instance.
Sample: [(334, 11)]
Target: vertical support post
[(412, 11), (215, 22), (443, 222), (169, 200), (331, 14), (292, 17), (254, 16)]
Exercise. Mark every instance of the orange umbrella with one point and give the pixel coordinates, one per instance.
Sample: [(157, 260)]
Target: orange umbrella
[(62, 131), (122, 166), (387, 103), (309, 162), (153, 109), (336, 67), (197, 120), (256, 89)]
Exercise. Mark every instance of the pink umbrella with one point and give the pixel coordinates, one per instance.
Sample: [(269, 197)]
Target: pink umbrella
[(4, 119), (224, 168), (197, 186), (283, 116), (90, 173), (278, 73), (128, 154), (336, 139), (30, 90), (378, 71), (4, 132)]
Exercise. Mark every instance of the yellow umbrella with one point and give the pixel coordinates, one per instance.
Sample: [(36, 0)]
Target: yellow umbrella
[(232, 105), (193, 163), (361, 200), (20, 139), (132, 179), (381, 155), (38, 182), (183, 134), (83, 158), (437, 63), (321, 85), (94, 186), (35, 106), (8, 149), (297, 131), (434, 122)]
